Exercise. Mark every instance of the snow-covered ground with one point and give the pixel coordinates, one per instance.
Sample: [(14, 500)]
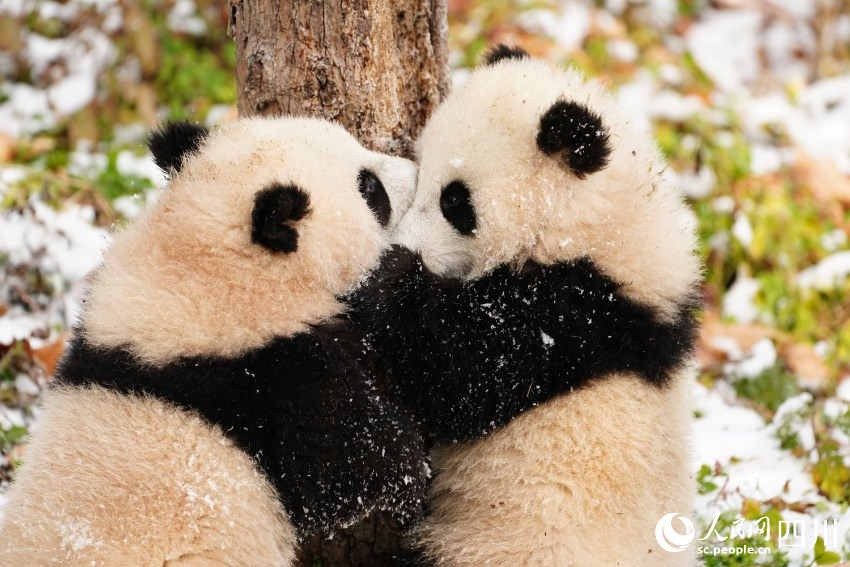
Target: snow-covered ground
[(758, 55)]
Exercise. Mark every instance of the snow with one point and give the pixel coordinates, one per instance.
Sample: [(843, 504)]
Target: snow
[(183, 18), (742, 229), (27, 110), (71, 94), (623, 49), (815, 122), (724, 45), (830, 272), (76, 535), (129, 163), (748, 450), (767, 159), (843, 391), (739, 300), (834, 239), (81, 58), (130, 206), (755, 466), (62, 243), (25, 385), (17, 324), (760, 358), (724, 204), (760, 60), (569, 26)]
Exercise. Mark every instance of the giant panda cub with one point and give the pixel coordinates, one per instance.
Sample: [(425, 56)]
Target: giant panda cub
[(545, 328), (212, 407)]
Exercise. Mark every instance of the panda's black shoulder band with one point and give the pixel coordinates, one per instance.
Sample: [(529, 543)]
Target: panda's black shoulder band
[(470, 357), (306, 408)]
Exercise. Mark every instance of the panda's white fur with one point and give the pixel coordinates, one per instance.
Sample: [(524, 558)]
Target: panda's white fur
[(234, 296), (580, 481), (583, 479), (113, 479), (529, 206), (110, 480)]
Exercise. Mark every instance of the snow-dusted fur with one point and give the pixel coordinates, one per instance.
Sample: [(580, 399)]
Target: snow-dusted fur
[(626, 217), (111, 480), (185, 279), (581, 480)]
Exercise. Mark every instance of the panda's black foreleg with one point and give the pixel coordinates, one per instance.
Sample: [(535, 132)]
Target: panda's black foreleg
[(468, 357)]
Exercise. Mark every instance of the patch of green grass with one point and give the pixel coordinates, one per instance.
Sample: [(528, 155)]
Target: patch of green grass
[(113, 184), (705, 480), (770, 388), (192, 76), (787, 229), (10, 437), (830, 474), (12, 361)]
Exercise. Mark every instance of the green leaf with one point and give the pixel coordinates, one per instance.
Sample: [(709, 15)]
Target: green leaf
[(705, 485), (828, 558)]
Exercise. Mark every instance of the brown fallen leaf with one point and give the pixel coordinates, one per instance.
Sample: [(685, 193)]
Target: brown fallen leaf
[(48, 356), (744, 334), (780, 504), (827, 183), (38, 146), (805, 363), (7, 148)]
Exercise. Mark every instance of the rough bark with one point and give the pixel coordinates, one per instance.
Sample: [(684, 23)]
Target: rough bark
[(378, 68)]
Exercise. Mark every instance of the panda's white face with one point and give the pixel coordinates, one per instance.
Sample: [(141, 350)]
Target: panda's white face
[(258, 233), (530, 162)]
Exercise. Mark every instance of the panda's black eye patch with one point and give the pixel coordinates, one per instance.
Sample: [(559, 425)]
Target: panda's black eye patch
[(276, 209), (577, 135), (456, 205), (375, 195)]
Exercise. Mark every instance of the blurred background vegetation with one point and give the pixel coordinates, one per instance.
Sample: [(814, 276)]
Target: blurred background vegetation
[(772, 208)]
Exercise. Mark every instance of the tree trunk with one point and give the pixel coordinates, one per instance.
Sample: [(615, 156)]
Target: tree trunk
[(379, 69)]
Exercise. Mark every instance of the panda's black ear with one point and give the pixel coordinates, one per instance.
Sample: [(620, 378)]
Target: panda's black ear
[(577, 135), (276, 209), (173, 141), (502, 52)]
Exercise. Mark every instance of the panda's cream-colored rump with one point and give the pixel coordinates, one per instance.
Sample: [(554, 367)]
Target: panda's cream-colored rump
[(576, 482), (627, 216), (183, 496), (185, 278)]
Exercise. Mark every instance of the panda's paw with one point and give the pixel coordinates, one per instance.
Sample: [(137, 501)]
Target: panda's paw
[(399, 260), (387, 289)]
